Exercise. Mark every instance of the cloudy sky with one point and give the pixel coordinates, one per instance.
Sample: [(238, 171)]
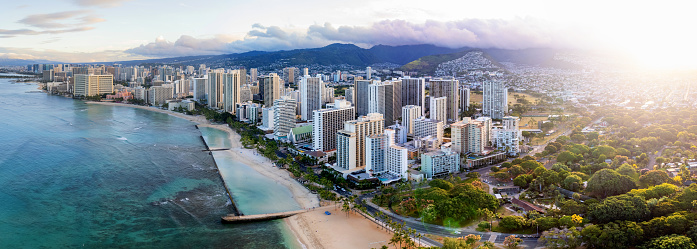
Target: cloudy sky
[(108, 30)]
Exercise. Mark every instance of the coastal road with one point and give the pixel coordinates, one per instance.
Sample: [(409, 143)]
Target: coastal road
[(424, 228)]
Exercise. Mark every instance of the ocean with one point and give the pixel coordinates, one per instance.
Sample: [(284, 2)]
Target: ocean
[(77, 175)]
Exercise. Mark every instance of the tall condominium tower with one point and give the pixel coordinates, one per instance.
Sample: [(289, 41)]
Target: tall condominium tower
[(326, 122), (384, 98), (253, 74), (414, 92), (283, 116), (355, 132), (231, 96), (439, 109), (409, 113), (362, 96), (447, 88), (270, 88), (464, 98), (350, 95), (311, 89), (495, 98)]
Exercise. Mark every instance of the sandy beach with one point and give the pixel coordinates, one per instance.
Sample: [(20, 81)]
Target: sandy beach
[(313, 229), (317, 230)]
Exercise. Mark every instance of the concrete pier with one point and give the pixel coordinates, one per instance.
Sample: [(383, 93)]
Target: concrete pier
[(259, 217)]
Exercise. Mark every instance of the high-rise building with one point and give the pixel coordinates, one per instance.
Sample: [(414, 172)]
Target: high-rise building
[(400, 133), (346, 149), (270, 88), (305, 71), (362, 96), (215, 88), (438, 109), (487, 122), (382, 100), (90, 85), (409, 113), (368, 73), (326, 122), (470, 136), (311, 90), (437, 163), (253, 74), (508, 137), (464, 98), (246, 94), (289, 74), (267, 118), (495, 99), (350, 95), (232, 83), (284, 116), (375, 153), (200, 86), (414, 92), (359, 129), (424, 127), (158, 95), (447, 88), (328, 95)]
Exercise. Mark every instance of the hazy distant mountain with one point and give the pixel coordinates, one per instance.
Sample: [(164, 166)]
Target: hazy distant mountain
[(20, 62), (334, 54)]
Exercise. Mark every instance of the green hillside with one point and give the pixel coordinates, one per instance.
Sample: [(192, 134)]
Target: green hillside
[(428, 64)]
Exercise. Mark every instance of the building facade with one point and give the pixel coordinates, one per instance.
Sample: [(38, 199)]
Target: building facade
[(284, 116), (326, 122), (311, 90), (495, 99), (438, 109), (90, 85), (441, 162), (447, 88)]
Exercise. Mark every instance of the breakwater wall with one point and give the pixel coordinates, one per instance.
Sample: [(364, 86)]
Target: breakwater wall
[(229, 194)]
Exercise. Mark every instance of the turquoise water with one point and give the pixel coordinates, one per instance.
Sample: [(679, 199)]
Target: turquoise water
[(216, 139), (76, 175)]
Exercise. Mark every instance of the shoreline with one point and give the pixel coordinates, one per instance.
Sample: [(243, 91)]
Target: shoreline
[(331, 231), (247, 156)]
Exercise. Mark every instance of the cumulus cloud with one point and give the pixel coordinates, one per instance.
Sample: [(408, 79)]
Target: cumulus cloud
[(99, 3), (517, 33), (9, 33), (54, 23)]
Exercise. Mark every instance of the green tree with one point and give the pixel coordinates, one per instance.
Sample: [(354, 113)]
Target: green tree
[(673, 241), (572, 182), (654, 177), (512, 223), (620, 234), (567, 157), (546, 223), (607, 182), (622, 207), (440, 183), (627, 170), (522, 181)]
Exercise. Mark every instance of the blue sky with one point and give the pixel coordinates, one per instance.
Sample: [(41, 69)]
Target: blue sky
[(105, 30)]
